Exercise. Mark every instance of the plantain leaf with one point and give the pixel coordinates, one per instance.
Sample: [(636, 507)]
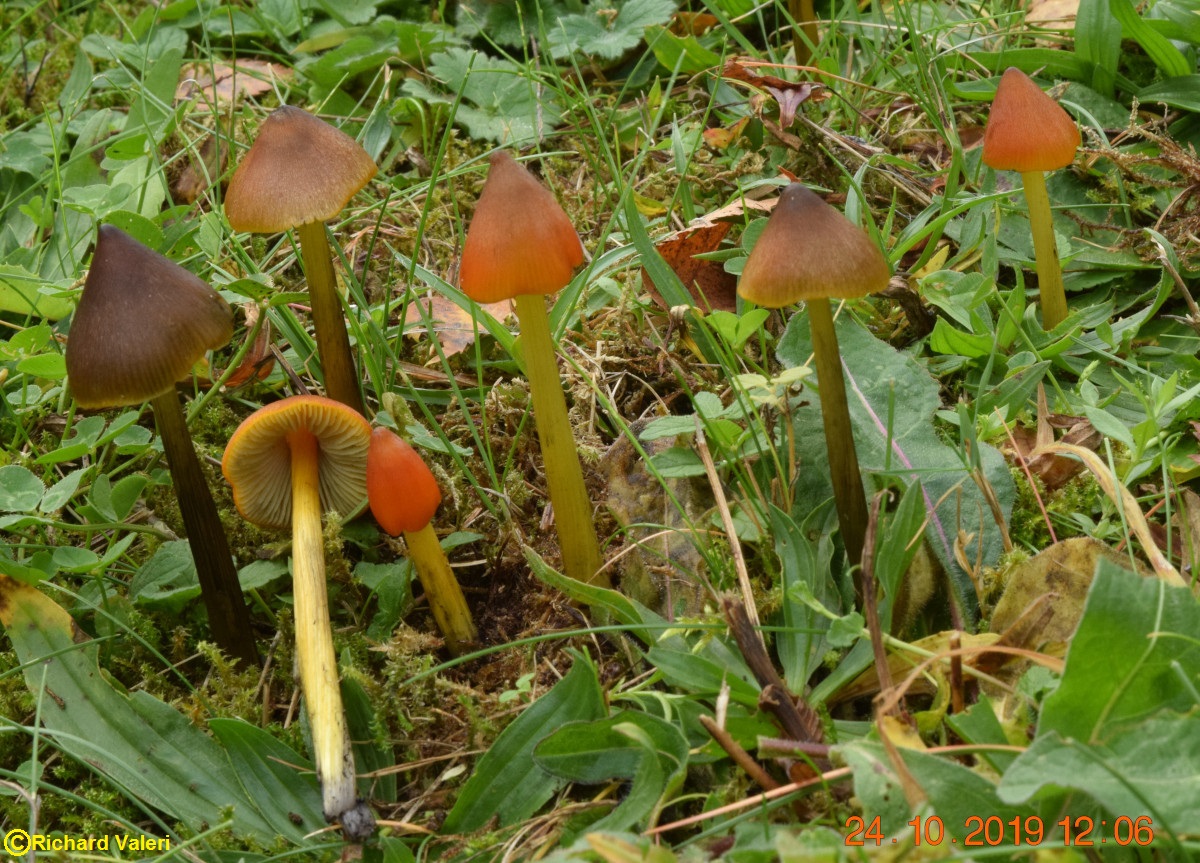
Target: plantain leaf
[(139, 744)]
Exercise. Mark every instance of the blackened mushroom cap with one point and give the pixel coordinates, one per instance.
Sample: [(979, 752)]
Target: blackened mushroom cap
[(299, 169), (1026, 129), (258, 459), (809, 250), (520, 241), (142, 322)]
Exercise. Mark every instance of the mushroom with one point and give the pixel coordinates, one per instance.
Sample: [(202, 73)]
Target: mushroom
[(1029, 132), (287, 463), (809, 251), (299, 173), (142, 322), (403, 496), (521, 246)]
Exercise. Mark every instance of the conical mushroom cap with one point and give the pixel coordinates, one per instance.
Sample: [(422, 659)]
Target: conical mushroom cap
[(401, 488), (807, 251), (142, 322), (258, 459), (299, 169), (1027, 130), (520, 241)]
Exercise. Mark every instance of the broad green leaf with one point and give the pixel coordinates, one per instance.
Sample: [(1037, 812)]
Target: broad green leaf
[(167, 580), (21, 292), (600, 33), (20, 489), (801, 644), (684, 53), (280, 780), (1136, 652), (260, 573), (144, 747), (1169, 59), (371, 756), (1097, 45), (630, 745), (892, 401), (507, 784)]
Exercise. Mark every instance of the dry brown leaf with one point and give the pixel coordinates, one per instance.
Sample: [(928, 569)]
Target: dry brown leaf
[(259, 361), (708, 283), (217, 81), (452, 325), (722, 136), (203, 166), (1052, 14)]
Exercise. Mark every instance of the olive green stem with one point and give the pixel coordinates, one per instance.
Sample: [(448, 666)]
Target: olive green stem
[(219, 586), (804, 18), (564, 474), (442, 589), (1045, 250), (314, 635), (329, 324), (839, 434)]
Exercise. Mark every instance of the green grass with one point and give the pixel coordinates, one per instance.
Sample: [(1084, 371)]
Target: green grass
[(574, 731)]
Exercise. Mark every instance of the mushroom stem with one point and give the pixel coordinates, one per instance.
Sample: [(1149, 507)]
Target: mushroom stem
[(1045, 250), (804, 20), (219, 586), (314, 637), (564, 475), (839, 435), (333, 344), (442, 589)]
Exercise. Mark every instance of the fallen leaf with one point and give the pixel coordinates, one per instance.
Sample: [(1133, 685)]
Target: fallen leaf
[(452, 325), (693, 23), (710, 286), (222, 83), (203, 166), (258, 361), (1052, 14), (722, 136)]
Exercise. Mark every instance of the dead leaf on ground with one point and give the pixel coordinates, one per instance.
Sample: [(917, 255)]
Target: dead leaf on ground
[(1052, 14), (708, 283), (452, 325), (721, 137), (222, 83), (258, 361), (204, 165)]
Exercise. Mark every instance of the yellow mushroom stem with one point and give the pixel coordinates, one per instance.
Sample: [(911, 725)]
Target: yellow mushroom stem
[(848, 494), (1045, 250), (564, 475), (333, 344), (442, 589), (314, 637)]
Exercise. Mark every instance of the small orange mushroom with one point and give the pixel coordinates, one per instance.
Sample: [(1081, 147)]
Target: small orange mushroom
[(1029, 132), (287, 463), (403, 496), (521, 245), (299, 173), (809, 251)]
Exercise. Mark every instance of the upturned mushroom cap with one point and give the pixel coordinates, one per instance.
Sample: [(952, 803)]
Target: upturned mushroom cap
[(807, 251), (258, 460), (142, 322), (520, 241), (299, 169), (1026, 129), (401, 488)]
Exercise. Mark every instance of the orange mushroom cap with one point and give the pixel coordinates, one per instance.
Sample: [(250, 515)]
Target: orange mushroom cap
[(401, 488), (520, 241), (142, 322), (809, 250), (1026, 129), (258, 459), (299, 169)]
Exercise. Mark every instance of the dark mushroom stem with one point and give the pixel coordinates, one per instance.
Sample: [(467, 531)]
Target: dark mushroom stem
[(804, 20), (219, 585), (848, 494), (564, 475), (333, 343)]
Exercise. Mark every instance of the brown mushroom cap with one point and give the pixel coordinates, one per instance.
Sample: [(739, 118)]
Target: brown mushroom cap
[(258, 460), (1026, 129), (520, 241), (809, 250), (142, 322), (299, 169)]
